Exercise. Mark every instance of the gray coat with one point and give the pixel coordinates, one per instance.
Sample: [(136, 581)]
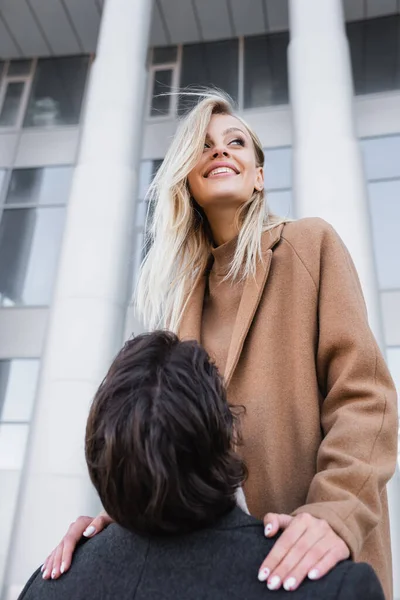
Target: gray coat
[(217, 563)]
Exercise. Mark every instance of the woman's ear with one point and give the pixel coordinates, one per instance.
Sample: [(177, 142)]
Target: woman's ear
[(259, 183)]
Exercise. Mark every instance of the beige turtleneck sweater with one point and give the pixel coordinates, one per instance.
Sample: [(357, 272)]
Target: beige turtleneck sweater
[(221, 302)]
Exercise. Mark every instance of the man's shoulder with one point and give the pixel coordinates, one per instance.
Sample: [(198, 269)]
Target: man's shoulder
[(96, 568)]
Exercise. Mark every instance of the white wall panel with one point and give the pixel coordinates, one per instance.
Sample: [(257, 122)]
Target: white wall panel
[(214, 19), (23, 332), (277, 12), (53, 147), (8, 143), (54, 21), (86, 19), (377, 114), (158, 35), (24, 27), (157, 138), (181, 21), (248, 18)]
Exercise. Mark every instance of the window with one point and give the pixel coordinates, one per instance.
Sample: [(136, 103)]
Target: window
[(13, 92), (162, 84), (17, 391), (31, 228), (18, 381), (163, 79), (278, 180), (278, 168), (381, 157), (279, 202), (214, 64), (382, 167), (265, 70), (57, 92), (374, 48), (384, 199), (148, 169), (39, 186), (393, 357)]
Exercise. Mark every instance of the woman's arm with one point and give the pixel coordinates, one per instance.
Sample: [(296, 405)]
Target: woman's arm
[(358, 453), (359, 420), (59, 561)]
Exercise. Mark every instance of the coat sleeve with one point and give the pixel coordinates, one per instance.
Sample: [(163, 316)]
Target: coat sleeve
[(359, 421)]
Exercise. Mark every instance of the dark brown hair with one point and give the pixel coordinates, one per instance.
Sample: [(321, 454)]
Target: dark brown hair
[(160, 436)]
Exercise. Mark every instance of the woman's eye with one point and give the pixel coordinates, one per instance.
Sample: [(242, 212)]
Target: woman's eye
[(238, 141)]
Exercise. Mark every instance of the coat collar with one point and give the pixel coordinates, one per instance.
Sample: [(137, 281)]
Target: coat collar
[(190, 327)]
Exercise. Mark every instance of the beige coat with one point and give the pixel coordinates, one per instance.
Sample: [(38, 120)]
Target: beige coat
[(320, 430)]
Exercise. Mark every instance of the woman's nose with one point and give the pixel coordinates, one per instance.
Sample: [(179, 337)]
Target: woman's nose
[(220, 152)]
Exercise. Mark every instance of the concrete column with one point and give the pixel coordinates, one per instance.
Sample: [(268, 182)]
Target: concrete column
[(89, 306), (328, 177), (327, 169)]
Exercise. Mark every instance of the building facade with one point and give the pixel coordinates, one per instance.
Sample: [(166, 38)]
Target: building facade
[(84, 125)]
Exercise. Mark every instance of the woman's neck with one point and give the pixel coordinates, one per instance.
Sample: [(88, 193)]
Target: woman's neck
[(223, 225)]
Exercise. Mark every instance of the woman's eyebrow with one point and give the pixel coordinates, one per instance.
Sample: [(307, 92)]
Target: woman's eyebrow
[(229, 130), (233, 129)]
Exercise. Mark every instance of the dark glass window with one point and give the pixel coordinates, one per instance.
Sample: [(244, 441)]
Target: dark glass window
[(375, 55), (31, 228), (50, 185), (19, 67), (211, 64), (161, 100), (57, 92), (265, 70), (11, 104), (29, 245), (164, 54)]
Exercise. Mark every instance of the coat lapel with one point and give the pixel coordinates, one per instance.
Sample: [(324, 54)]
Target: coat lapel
[(190, 326), (252, 292)]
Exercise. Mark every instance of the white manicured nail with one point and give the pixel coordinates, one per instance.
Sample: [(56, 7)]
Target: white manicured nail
[(45, 574), (53, 573), (42, 568), (263, 574), (313, 574), (268, 529), (289, 584), (62, 568), (89, 530), (274, 583)]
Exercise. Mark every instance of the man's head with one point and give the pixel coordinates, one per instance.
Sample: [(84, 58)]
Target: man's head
[(159, 438)]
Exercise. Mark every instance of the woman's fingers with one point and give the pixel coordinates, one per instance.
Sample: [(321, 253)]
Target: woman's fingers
[(308, 546), (59, 561), (98, 524), (56, 568), (273, 522), (55, 563), (47, 566)]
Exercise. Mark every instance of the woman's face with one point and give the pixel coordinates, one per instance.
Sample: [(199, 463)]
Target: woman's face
[(227, 170)]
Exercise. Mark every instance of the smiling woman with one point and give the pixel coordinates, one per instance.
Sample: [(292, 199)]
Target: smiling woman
[(279, 308)]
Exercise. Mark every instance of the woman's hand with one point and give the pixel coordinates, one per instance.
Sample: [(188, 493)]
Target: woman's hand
[(307, 546), (59, 561)]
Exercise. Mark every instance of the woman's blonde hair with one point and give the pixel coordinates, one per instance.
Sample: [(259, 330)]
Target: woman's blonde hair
[(178, 233)]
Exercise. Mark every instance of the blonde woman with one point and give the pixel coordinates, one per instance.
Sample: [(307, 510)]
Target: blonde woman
[(279, 308)]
